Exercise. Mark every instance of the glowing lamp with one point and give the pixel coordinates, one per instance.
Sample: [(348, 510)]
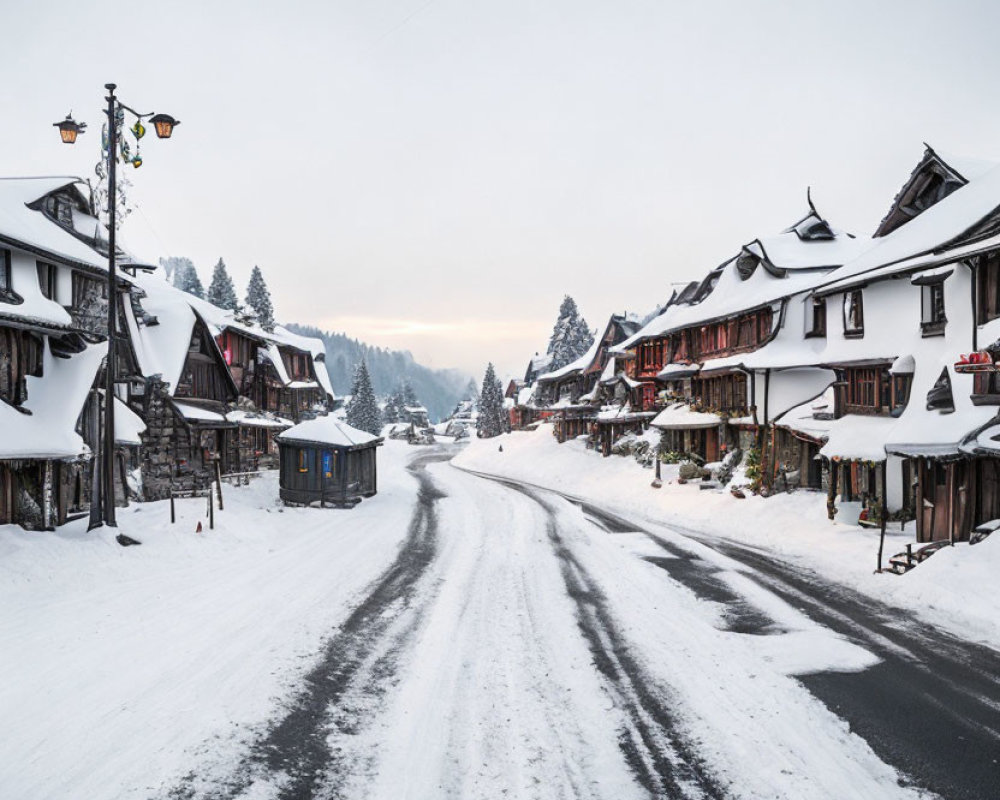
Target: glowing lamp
[(69, 128), (164, 125)]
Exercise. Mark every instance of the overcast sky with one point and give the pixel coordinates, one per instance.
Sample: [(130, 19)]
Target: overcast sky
[(436, 175)]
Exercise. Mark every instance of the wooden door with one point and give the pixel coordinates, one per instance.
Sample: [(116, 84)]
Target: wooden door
[(936, 510), (711, 444)]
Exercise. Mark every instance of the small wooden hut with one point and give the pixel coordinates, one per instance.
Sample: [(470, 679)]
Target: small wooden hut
[(326, 461)]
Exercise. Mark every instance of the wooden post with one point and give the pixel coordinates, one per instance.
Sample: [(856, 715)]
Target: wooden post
[(211, 511), (218, 484), (173, 511), (885, 513)]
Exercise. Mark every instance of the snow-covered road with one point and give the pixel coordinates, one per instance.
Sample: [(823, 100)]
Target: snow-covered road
[(523, 646), (498, 640)]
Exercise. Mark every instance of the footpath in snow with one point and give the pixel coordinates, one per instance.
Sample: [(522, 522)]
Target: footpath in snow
[(952, 590)]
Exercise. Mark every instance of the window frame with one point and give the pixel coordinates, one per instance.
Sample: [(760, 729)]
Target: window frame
[(932, 309), (817, 319), (48, 287), (853, 305)]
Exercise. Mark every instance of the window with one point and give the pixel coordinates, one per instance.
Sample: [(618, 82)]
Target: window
[(854, 318), (866, 391), (47, 279), (932, 318), (988, 288), (6, 287), (303, 461), (86, 289), (986, 388), (817, 318), (900, 393)]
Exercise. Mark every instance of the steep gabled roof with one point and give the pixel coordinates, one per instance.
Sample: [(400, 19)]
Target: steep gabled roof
[(25, 226), (932, 180)]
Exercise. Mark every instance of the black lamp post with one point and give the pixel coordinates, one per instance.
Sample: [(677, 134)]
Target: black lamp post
[(68, 131)]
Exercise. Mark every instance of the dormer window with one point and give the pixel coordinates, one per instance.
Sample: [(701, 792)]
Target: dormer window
[(854, 318), (814, 229), (60, 209), (746, 264), (817, 318)]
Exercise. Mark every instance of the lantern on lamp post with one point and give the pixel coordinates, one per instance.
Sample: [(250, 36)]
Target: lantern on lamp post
[(115, 148), (69, 128)]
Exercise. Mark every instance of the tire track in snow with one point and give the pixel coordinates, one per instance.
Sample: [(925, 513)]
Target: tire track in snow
[(296, 757), (662, 761), (930, 707)]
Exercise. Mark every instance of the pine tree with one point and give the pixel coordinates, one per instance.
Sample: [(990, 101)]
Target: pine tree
[(571, 337), (186, 279), (390, 412), (173, 265), (491, 411), (409, 396), (362, 410), (221, 291), (259, 299)]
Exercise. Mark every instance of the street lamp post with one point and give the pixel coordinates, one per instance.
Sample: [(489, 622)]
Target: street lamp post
[(68, 130)]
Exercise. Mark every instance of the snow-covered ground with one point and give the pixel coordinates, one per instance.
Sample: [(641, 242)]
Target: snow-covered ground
[(116, 663), (952, 590), (453, 637)]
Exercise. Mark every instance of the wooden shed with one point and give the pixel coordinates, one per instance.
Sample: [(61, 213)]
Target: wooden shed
[(325, 461)]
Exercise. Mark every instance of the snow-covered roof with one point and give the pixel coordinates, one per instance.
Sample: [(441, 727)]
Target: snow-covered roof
[(858, 438), (925, 233), (312, 345), (196, 413), (55, 401), (676, 371), (573, 367), (128, 424), (162, 349), (327, 430), (258, 419), (680, 416), (803, 418), (23, 226), (803, 262)]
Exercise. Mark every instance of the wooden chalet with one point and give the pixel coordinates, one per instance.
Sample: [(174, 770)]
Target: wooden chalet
[(53, 321), (722, 361), (324, 461), (570, 393), (909, 437)]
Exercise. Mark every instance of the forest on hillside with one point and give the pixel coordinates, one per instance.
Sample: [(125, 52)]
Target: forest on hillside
[(438, 389)]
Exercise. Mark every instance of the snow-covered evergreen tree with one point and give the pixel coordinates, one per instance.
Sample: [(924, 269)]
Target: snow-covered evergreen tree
[(472, 393), (571, 337), (362, 411), (390, 412), (221, 291), (186, 279), (491, 411), (259, 299), (172, 266), (409, 396)]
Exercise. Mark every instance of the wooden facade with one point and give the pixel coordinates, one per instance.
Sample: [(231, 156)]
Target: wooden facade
[(955, 496), (326, 474)]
